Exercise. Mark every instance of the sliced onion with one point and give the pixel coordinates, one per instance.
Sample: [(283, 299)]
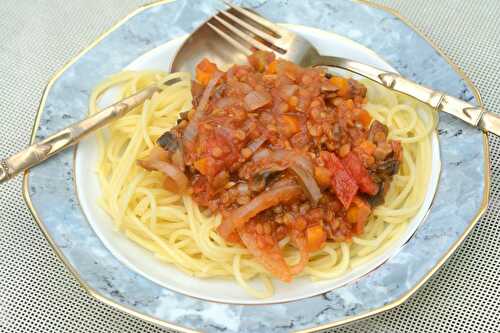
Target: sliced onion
[(206, 95), (261, 154), (225, 102), (176, 181), (242, 87), (258, 180), (196, 91), (158, 153), (255, 144), (230, 73), (191, 130), (258, 204), (288, 90), (300, 164), (178, 159), (271, 258), (256, 99), (304, 169), (243, 189)]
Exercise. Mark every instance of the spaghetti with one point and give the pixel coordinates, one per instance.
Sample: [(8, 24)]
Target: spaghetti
[(177, 231)]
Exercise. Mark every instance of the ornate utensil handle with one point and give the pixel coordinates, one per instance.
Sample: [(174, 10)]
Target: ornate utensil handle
[(474, 115), (69, 136)]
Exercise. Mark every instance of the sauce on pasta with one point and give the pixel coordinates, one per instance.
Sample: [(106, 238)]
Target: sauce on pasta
[(165, 213), (280, 151)]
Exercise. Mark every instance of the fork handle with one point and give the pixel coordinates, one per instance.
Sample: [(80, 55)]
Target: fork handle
[(40, 151), (490, 122), (475, 115)]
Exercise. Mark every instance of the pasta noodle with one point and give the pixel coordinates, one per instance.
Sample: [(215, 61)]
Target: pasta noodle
[(175, 229)]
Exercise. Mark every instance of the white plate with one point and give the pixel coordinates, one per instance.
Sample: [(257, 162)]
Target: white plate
[(218, 290)]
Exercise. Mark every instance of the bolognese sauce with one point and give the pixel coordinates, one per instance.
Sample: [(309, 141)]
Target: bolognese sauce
[(280, 151)]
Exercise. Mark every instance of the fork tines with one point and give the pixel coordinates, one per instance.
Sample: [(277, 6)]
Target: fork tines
[(246, 30)]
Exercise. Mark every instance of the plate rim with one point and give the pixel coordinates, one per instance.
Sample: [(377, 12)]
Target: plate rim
[(134, 312)]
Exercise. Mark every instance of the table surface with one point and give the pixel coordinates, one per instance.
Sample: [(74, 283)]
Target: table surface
[(38, 294)]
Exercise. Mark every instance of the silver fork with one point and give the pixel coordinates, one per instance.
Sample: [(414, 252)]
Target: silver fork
[(245, 30)]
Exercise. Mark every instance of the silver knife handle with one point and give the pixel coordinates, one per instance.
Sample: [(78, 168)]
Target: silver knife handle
[(40, 151), (474, 115)]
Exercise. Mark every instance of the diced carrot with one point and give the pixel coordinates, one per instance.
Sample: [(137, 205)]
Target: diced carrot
[(289, 124), (272, 68), (365, 118), (342, 84), (363, 211), (206, 66), (203, 77), (204, 71), (316, 237), (323, 176), (293, 101), (352, 214), (202, 165), (368, 147)]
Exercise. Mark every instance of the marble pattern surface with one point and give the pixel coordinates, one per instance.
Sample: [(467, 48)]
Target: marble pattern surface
[(457, 201)]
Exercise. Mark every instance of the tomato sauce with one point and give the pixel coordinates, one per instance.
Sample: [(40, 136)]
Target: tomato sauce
[(282, 151)]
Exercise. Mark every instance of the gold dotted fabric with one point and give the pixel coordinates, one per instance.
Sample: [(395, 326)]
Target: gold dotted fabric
[(38, 294)]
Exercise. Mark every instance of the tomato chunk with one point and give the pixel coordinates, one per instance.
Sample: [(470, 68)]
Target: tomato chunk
[(357, 170), (344, 186)]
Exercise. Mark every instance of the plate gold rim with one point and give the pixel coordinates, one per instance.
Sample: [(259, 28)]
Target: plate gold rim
[(148, 318)]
